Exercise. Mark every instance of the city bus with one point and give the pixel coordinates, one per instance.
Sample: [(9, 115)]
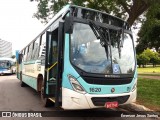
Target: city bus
[(7, 66), (82, 59)]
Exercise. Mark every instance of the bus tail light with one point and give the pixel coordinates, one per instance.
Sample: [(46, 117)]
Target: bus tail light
[(75, 84)]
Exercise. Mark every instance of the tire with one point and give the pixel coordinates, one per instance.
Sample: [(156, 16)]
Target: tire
[(2, 74), (46, 102), (22, 83)]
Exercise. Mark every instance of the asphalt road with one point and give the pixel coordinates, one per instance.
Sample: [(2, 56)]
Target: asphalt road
[(21, 99)]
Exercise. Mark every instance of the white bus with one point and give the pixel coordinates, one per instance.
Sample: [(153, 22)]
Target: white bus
[(7, 66)]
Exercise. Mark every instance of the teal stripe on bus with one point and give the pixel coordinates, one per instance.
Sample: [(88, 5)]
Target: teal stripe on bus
[(29, 62), (31, 81)]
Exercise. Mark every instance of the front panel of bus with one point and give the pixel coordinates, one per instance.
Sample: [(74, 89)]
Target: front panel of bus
[(99, 66), (6, 67)]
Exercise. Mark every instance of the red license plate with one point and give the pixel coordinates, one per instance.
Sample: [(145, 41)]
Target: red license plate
[(111, 104)]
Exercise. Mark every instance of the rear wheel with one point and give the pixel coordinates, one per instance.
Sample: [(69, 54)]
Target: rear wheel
[(22, 83), (46, 101)]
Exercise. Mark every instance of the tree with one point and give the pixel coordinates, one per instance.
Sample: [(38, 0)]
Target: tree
[(149, 35), (154, 59), (148, 52), (129, 10), (148, 56), (139, 61), (153, 56), (143, 60)]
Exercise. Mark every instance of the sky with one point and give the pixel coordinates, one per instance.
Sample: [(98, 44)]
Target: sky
[(17, 24)]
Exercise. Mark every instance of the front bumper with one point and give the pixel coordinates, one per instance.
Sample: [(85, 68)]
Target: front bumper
[(5, 72), (75, 100)]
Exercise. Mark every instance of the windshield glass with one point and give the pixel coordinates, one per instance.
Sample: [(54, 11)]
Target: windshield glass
[(89, 55), (4, 64)]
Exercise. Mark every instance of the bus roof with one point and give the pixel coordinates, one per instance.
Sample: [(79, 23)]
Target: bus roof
[(96, 11), (62, 13)]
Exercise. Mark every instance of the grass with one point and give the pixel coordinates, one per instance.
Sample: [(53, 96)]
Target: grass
[(150, 69), (148, 93), (149, 74)]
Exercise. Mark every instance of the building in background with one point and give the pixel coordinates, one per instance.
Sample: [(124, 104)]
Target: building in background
[(5, 48)]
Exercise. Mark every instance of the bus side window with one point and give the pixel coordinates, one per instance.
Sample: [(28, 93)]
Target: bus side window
[(23, 53), (54, 52), (33, 51), (30, 52), (36, 49), (42, 50), (26, 53), (8, 64), (20, 56)]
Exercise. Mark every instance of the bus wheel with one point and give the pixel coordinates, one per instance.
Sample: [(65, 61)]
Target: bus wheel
[(22, 83), (1, 74), (46, 102)]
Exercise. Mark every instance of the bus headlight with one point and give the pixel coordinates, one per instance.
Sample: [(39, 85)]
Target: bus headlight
[(134, 86), (9, 68), (76, 85)]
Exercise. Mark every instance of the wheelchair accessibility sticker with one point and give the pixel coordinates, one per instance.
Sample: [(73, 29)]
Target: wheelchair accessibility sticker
[(116, 69)]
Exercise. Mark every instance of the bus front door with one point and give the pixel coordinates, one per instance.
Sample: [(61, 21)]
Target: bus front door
[(52, 78)]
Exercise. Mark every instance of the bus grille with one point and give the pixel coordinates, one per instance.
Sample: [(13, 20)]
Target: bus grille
[(107, 81), (100, 101)]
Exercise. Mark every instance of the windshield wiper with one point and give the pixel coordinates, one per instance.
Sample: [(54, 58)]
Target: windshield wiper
[(120, 41), (101, 33), (97, 31), (104, 36)]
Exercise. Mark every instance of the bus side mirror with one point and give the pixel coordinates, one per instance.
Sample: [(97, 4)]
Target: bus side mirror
[(68, 25)]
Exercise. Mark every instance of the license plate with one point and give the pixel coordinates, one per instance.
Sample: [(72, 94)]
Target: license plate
[(111, 104)]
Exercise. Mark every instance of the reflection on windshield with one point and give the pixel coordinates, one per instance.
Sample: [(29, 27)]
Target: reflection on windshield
[(89, 55), (4, 64), (127, 61)]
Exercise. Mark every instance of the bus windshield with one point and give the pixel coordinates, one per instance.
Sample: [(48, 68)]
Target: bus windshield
[(89, 53), (4, 64)]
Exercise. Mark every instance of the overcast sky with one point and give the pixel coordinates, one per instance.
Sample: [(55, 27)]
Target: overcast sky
[(17, 24)]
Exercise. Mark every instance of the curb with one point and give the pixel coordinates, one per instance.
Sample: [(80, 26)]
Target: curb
[(138, 108), (135, 107)]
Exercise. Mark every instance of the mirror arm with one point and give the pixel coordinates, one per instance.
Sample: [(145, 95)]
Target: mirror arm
[(68, 26)]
